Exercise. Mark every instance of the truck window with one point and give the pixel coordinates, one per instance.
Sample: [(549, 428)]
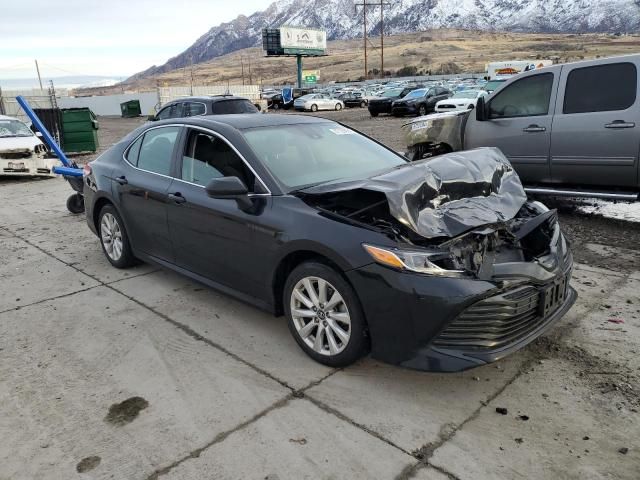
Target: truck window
[(601, 88), (527, 97)]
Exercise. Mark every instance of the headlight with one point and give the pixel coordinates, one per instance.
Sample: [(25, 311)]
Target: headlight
[(412, 260)]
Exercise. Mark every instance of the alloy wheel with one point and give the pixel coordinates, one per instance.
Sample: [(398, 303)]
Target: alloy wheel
[(320, 316), (111, 236)]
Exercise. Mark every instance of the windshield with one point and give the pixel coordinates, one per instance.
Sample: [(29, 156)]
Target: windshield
[(310, 154), (14, 128), (416, 94), (493, 84), (466, 94), (392, 93)]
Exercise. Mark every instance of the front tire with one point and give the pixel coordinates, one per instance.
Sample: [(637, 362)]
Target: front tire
[(324, 315), (338, 107), (114, 239), (314, 108)]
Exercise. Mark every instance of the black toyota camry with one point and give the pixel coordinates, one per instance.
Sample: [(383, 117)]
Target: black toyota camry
[(439, 264)]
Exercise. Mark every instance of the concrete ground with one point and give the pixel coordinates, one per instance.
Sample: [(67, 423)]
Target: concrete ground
[(144, 374)]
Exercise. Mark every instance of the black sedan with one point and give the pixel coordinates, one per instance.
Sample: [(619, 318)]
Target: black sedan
[(419, 102), (382, 104), (351, 100), (440, 265)]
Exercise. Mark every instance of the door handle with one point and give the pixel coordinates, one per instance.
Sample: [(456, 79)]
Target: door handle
[(534, 128), (177, 197), (619, 124), (122, 180)]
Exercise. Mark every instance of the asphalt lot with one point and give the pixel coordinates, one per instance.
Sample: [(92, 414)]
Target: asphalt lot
[(144, 374)]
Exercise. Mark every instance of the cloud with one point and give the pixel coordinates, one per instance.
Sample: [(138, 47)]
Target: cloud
[(118, 37)]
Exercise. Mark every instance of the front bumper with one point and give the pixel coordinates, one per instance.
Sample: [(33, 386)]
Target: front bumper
[(404, 109), (28, 167), (432, 323), (379, 107)]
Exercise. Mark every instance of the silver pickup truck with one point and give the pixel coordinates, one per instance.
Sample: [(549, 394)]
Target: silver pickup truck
[(571, 129)]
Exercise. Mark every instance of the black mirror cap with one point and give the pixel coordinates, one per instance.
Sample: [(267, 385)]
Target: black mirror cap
[(226, 187), (481, 110)]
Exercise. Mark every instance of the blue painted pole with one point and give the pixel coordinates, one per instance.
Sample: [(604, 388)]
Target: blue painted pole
[(299, 63), (45, 134)]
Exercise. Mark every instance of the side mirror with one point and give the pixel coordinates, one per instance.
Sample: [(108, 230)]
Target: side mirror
[(231, 188), (482, 110)]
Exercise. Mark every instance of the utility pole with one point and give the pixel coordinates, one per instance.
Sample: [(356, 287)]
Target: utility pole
[(364, 6), (242, 66), (191, 62), (39, 78)]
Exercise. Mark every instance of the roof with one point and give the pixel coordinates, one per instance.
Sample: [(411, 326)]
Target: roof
[(244, 120), (202, 98)]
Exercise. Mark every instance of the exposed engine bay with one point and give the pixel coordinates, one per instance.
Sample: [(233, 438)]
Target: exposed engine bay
[(468, 208)]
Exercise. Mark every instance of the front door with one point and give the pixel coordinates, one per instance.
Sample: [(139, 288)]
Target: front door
[(214, 237), (519, 124), (142, 191), (596, 129)]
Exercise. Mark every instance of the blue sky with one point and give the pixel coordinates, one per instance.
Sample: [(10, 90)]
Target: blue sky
[(112, 38)]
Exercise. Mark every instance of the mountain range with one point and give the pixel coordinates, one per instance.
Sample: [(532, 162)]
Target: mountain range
[(340, 20)]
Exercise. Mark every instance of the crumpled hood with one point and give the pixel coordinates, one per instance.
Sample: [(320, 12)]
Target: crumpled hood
[(18, 143), (447, 195)]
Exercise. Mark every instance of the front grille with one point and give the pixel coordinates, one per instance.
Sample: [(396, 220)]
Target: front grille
[(15, 155), (447, 106), (494, 322)]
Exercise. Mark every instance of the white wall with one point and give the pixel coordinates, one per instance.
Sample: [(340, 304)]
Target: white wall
[(110, 104)]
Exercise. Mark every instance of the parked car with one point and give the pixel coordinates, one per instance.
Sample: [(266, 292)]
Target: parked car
[(207, 105), (353, 100), (494, 84), (21, 151), (571, 129), (276, 102), (383, 103), (320, 226), (317, 101), (462, 100), (419, 102)]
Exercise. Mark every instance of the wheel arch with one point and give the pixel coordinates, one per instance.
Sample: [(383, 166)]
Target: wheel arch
[(289, 262)]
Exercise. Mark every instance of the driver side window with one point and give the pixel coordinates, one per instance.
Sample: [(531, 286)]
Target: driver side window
[(524, 98)]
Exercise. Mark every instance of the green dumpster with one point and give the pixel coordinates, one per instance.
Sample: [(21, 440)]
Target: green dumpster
[(80, 130), (131, 109)]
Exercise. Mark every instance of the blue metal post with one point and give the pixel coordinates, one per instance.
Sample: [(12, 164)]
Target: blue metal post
[(45, 133), (70, 168), (299, 62)]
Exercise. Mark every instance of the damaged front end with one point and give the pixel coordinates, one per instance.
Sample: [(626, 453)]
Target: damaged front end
[(435, 134), (462, 217), (26, 161)]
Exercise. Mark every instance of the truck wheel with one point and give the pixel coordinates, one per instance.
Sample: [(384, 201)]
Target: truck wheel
[(75, 203)]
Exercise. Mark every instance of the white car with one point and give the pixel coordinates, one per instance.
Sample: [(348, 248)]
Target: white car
[(317, 101), (21, 151), (462, 100)]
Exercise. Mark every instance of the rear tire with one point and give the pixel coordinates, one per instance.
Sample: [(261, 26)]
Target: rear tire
[(114, 239), (338, 107), (363, 104), (314, 108), (324, 315)]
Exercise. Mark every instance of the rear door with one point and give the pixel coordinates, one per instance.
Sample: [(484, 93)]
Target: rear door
[(596, 129), (519, 124), (142, 188)]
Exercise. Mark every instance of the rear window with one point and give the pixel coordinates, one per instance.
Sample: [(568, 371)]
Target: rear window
[(233, 106), (602, 88)]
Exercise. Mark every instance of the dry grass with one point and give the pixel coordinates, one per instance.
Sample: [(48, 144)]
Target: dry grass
[(470, 50)]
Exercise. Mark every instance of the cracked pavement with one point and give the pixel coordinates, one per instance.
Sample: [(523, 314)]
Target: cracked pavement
[(229, 394)]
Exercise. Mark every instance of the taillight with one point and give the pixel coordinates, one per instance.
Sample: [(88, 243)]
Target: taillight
[(86, 170)]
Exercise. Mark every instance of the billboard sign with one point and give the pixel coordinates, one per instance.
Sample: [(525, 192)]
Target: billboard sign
[(310, 76), (295, 38)]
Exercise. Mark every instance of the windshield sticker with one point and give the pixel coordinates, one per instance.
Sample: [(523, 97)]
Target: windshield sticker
[(342, 131)]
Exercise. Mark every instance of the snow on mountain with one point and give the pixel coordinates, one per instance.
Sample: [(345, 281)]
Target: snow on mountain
[(338, 17)]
